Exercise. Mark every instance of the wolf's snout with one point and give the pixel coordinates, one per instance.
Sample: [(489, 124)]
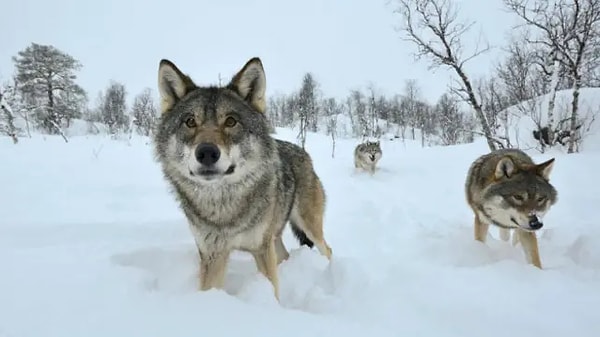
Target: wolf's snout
[(372, 157), (207, 154), (535, 223)]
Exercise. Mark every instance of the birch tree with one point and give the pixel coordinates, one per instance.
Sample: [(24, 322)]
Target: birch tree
[(571, 30), (432, 26)]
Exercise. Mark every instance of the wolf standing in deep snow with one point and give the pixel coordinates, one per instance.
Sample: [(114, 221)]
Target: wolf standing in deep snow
[(237, 186), (366, 156), (507, 189)]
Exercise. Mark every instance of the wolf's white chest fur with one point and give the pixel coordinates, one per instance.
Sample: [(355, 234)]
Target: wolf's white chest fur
[(212, 239)]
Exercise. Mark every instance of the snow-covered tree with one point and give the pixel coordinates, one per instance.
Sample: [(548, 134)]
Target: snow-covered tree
[(7, 125), (433, 27), (308, 107), (46, 80), (144, 112), (570, 29), (450, 120), (113, 108)]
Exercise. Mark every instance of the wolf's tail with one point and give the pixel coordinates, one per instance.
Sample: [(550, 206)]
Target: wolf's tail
[(301, 236)]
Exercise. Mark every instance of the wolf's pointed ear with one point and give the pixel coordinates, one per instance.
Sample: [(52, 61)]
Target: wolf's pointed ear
[(250, 83), (172, 85), (544, 169), (504, 168)]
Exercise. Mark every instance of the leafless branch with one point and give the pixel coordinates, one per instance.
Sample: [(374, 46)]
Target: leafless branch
[(432, 26)]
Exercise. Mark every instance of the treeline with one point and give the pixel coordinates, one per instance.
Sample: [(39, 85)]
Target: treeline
[(368, 113), (45, 96)]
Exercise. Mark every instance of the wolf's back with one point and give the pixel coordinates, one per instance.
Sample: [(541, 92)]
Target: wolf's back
[(298, 176)]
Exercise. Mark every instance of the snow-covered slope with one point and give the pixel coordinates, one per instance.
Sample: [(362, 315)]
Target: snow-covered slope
[(521, 118), (93, 244)]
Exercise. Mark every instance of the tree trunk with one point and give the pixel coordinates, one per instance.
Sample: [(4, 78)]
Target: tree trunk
[(11, 130), (551, 102), (52, 120), (485, 126), (574, 112)]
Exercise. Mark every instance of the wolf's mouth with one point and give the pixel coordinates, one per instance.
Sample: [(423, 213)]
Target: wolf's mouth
[(532, 228), (210, 172), (230, 169)]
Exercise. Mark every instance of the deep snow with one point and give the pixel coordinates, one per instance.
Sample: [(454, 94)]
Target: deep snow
[(93, 244)]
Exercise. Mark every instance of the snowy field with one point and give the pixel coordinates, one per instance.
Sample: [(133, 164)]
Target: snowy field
[(93, 244)]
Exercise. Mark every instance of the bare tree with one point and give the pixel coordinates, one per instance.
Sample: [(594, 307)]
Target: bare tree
[(7, 125), (411, 102), (554, 73), (439, 18), (302, 130), (516, 71), (113, 108), (571, 29), (358, 111), (308, 107), (144, 113), (373, 112), (398, 115), (276, 111), (426, 122), (331, 110), (450, 119), (531, 73), (332, 128), (495, 106), (282, 109), (14, 99)]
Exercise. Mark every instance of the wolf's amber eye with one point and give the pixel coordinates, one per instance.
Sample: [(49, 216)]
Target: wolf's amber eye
[(190, 122), (541, 199), (230, 122), (518, 197)]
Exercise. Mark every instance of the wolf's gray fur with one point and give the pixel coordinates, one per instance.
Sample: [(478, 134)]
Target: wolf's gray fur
[(507, 189), (367, 155), (236, 185)]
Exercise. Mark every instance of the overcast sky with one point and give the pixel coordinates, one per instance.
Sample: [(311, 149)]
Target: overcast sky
[(346, 44)]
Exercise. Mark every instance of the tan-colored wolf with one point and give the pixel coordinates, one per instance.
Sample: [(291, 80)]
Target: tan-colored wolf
[(507, 189)]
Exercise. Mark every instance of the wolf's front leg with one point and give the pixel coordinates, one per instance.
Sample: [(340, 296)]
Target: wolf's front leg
[(481, 229), (266, 262), (372, 169), (212, 270), (530, 247), (504, 234), (282, 253)]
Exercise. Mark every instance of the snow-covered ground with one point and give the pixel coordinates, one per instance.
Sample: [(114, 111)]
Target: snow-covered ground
[(522, 117), (93, 244)]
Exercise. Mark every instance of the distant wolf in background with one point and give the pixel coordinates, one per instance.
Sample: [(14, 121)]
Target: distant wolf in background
[(507, 189), (366, 156), (237, 186)]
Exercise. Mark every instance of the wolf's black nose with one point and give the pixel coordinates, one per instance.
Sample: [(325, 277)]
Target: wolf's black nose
[(207, 154), (535, 223)]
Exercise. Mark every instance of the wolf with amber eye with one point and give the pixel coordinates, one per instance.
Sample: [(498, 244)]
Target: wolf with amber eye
[(507, 189)]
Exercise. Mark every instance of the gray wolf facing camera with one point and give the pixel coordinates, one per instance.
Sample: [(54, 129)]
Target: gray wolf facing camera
[(507, 189), (366, 156), (237, 186)]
